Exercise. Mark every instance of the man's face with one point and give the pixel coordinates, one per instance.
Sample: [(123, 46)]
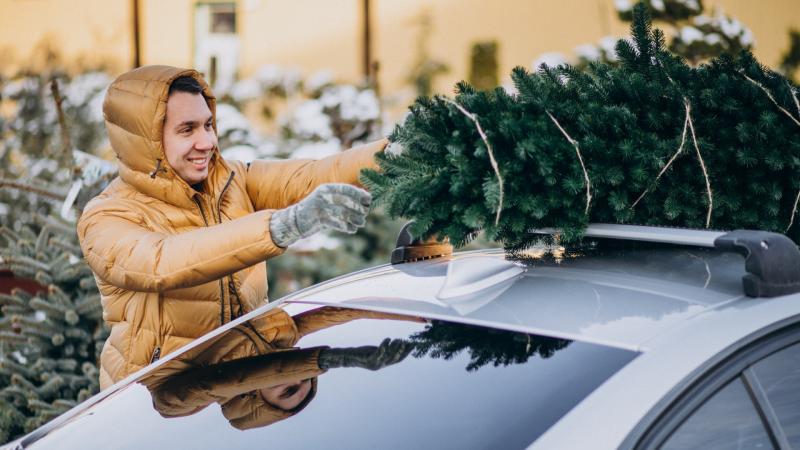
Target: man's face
[(189, 138), (288, 395)]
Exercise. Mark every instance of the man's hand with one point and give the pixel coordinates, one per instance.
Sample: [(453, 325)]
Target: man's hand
[(391, 351), (331, 206)]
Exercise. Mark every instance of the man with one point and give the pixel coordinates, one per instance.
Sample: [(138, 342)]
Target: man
[(177, 242)]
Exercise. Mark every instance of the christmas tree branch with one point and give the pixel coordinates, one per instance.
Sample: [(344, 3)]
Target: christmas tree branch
[(702, 163), (66, 145), (5, 183), (580, 159), (671, 160), (491, 154), (766, 91)]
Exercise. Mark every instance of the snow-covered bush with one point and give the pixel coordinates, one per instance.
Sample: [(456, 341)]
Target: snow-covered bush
[(711, 35), (695, 35)]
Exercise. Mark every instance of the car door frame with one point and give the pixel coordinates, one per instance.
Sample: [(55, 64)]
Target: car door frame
[(737, 365)]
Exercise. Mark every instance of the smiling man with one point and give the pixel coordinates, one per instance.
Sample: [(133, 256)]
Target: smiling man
[(178, 241)]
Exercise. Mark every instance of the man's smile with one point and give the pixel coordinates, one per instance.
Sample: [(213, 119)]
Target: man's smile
[(200, 162)]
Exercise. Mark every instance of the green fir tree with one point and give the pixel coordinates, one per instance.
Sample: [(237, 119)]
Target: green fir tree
[(50, 339), (651, 140)]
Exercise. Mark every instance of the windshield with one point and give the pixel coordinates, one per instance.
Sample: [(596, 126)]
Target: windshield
[(344, 378)]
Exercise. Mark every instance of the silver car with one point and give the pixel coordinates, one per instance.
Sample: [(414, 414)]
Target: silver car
[(640, 337)]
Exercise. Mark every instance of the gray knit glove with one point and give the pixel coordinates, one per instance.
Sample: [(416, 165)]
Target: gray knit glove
[(391, 351), (394, 149), (332, 206)]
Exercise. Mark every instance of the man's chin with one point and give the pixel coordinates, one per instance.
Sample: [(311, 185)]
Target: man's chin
[(195, 178)]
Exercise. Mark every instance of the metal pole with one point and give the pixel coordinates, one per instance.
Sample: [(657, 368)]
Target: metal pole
[(136, 48), (367, 62)]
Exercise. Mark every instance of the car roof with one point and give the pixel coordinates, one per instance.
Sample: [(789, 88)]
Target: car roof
[(630, 296), (621, 296)]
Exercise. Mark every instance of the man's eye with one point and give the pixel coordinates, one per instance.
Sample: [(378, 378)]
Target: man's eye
[(208, 126), (185, 131), (289, 391)]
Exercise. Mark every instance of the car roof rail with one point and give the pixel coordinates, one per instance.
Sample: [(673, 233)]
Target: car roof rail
[(772, 260), (665, 235), (408, 248)]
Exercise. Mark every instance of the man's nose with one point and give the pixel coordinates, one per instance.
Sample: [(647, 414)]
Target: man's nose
[(206, 140)]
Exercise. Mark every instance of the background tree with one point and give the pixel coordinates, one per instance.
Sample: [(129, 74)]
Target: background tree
[(425, 68), (791, 59), (695, 35), (49, 339)]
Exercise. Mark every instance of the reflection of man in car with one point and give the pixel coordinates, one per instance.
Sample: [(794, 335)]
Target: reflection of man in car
[(257, 391), (256, 387), (177, 242)]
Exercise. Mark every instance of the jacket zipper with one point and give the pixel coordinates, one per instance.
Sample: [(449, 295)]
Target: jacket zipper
[(231, 285), (156, 355), (221, 289)]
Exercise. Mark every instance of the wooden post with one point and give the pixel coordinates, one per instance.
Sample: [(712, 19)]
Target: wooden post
[(137, 61), (367, 61)]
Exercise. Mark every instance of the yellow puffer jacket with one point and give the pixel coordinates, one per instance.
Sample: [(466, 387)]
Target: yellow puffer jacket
[(172, 263)]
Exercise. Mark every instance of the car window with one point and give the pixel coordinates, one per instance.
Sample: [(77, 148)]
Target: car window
[(727, 420), (351, 379), (779, 377)]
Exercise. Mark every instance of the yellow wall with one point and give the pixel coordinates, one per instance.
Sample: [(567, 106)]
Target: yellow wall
[(326, 34), (167, 28), (87, 32), (311, 34)]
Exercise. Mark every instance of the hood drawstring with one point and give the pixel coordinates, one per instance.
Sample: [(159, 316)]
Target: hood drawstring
[(158, 167)]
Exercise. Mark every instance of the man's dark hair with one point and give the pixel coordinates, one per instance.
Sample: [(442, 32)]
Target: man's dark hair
[(185, 84)]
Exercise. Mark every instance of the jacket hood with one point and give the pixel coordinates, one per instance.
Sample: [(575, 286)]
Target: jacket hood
[(134, 109)]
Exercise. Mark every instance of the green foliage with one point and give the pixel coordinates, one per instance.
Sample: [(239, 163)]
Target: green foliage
[(50, 341), (485, 345), (697, 36), (627, 121)]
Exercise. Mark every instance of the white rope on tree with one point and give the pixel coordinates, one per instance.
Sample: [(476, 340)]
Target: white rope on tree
[(491, 154), (580, 158), (797, 199), (793, 91), (789, 115), (702, 164), (671, 160), (688, 121), (766, 91)]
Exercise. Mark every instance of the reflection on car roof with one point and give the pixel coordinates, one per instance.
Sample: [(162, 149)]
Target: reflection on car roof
[(613, 296)]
